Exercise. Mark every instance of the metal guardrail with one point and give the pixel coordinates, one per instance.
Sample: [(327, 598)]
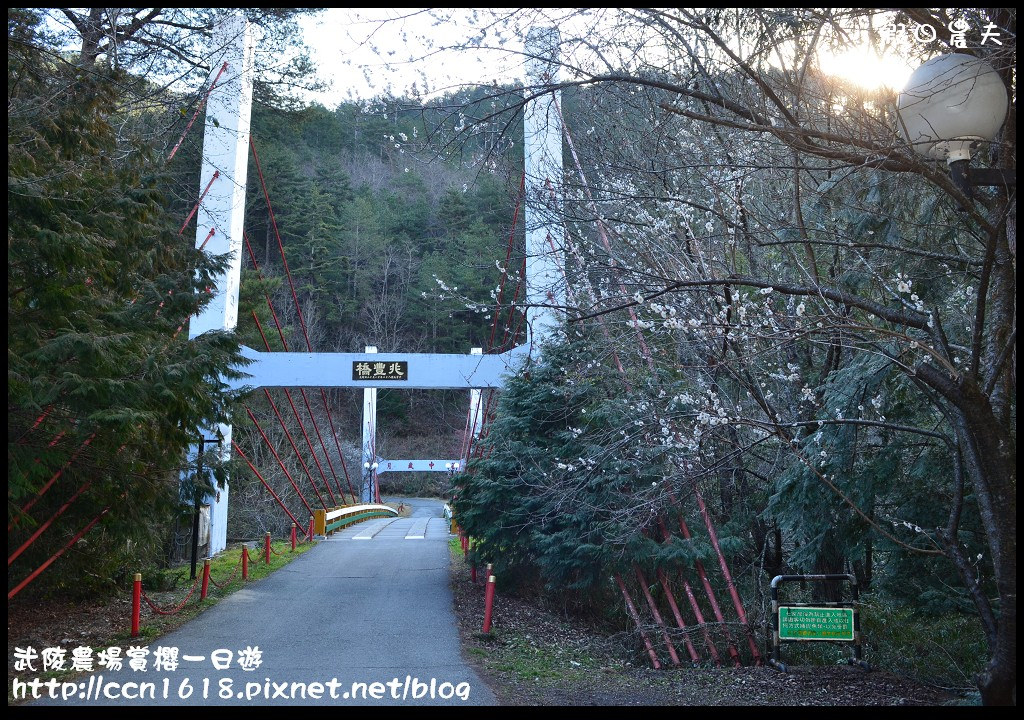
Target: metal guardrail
[(327, 521)]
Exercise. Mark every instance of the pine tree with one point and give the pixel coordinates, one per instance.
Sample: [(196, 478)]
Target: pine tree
[(101, 385)]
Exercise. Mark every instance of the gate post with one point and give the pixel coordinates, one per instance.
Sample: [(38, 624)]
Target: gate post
[(369, 486)]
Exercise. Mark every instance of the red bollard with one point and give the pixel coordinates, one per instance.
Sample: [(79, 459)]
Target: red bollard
[(294, 529), (488, 604), (266, 548), (136, 603), (206, 579), (245, 562), (309, 538)]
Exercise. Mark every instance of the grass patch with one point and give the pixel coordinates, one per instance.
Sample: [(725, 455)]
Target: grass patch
[(225, 569), (166, 588), (521, 652)]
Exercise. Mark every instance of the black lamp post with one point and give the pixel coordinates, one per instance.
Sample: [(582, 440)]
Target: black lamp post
[(195, 515)]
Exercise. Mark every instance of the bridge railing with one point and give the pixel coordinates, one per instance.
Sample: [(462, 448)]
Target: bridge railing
[(328, 521)]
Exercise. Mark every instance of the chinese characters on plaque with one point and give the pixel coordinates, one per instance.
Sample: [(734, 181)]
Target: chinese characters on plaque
[(380, 370)]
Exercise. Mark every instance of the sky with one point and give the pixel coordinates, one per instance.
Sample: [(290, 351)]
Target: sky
[(365, 51)]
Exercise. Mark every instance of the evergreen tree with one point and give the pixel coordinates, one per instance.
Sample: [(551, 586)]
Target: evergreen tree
[(104, 393)]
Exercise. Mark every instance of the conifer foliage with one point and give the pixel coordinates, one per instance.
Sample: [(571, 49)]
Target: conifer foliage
[(104, 392)]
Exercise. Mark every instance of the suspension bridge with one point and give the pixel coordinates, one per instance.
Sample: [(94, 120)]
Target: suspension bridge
[(344, 583)]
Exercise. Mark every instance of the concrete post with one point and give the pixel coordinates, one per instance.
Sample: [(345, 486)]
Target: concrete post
[(369, 444), (476, 419)]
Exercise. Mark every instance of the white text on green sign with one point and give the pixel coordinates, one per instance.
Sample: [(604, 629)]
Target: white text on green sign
[(815, 623)]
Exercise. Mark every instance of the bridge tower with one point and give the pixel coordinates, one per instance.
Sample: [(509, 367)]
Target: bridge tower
[(542, 141), (545, 268), (222, 210)]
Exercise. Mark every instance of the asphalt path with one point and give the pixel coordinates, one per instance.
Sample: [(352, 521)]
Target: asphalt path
[(364, 618)]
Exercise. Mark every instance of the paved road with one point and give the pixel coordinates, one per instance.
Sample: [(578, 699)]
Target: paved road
[(369, 605)]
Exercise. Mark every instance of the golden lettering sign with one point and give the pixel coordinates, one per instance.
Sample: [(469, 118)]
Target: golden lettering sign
[(380, 370)]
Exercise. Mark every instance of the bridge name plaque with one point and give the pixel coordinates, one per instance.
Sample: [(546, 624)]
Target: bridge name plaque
[(380, 370)]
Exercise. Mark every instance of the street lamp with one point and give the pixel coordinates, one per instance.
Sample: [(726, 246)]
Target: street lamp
[(200, 474), (950, 102)]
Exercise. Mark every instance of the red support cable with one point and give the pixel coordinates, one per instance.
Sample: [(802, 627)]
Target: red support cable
[(199, 107), (725, 572), (213, 231), (280, 244), (694, 655), (302, 427), (35, 573), (42, 528), (284, 427), (291, 441), (636, 619), (699, 567), (216, 174), (657, 615), (508, 260), (279, 461), (46, 412), (337, 443), (602, 233), (316, 429), (645, 350), (464, 445), (271, 491), (507, 339), (323, 394), (473, 437), (52, 480), (692, 599), (287, 271)]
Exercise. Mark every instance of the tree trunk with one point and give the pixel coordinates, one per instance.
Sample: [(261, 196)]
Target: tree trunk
[(991, 464), (91, 29)]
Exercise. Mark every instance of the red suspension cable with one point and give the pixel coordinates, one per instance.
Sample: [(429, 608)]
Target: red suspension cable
[(216, 174), (280, 245), (35, 573), (295, 412), (323, 395), (279, 461), (271, 490), (52, 480), (42, 528), (199, 107)]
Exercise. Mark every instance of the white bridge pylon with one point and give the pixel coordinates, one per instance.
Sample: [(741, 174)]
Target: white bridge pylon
[(544, 276)]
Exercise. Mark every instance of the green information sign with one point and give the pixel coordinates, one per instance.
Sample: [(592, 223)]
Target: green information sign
[(815, 623)]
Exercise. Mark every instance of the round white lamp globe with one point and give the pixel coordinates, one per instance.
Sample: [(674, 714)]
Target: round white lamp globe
[(949, 102)]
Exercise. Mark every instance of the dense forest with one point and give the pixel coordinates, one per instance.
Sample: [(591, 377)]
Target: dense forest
[(789, 340)]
